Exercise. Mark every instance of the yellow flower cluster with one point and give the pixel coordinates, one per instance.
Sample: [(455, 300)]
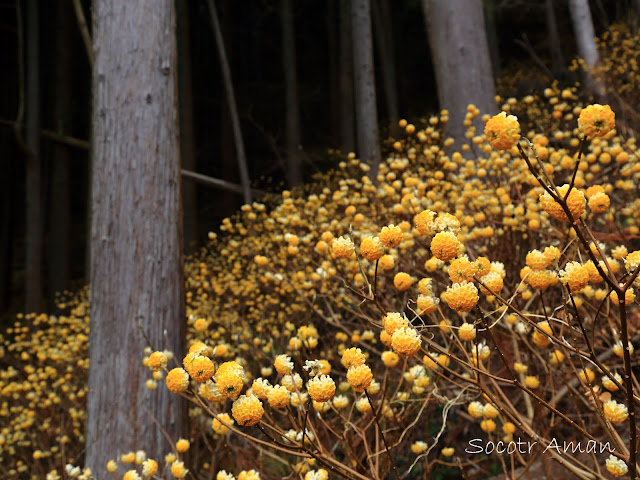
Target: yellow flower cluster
[(502, 131)]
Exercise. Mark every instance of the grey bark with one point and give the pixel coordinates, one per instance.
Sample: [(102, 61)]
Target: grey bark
[(585, 39), (557, 59), (292, 108), (365, 87), (461, 60), (33, 161), (136, 282), (187, 132), (383, 31), (231, 102), (347, 113), (60, 203)]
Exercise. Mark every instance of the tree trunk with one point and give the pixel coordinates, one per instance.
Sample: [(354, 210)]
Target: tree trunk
[(365, 87), (557, 59), (231, 102), (187, 132), (585, 39), (292, 129), (383, 31), (333, 44), (33, 161), (60, 203), (137, 282), (460, 53), (347, 114), (489, 9)]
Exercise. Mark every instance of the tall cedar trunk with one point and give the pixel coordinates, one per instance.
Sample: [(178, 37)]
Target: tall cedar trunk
[(365, 87), (60, 203), (187, 132), (136, 252), (347, 113), (383, 31), (585, 39), (489, 9), (460, 53), (557, 59), (289, 64), (33, 161)]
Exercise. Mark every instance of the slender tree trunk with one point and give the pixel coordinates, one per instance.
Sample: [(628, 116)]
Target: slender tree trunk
[(557, 59), (347, 114), (460, 53), (187, 132), (137, 286), (34, 162), (60, 203), (231, 102), (489, 9), (289, 64), (333, 37), (383, 31), (585, 40), (365, 87)]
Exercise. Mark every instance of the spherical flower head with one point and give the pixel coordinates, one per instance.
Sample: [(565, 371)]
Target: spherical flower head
[(596, 120), (425, 286), (390, 359), (531, 382), (131, 475), (427, 304), (210, 391), (509, 428), (321, 388), (447, 451), (278, 396), (223, 475), (363, 405), (490, 411), (552, 254), (340, 401), (461, 270), (632, 261), (112, 466), (390, 236), (402, 281), (424, 222), (260, 388), (537, 260), (352, 357), (247, 410), (177, 380), (488, 426), (462, 297), (221, 423), (371, 248), (419, 447), (149, 468), (342, 247), (157, 361), (575, 201), (248, 475), (629, 297), (283, 364), (615, 412), (230, 378), (293, 383), (406, 341), (359, 377), (575, 276), (616, 466), (586, 375), (491, 283), (618, 349), (599, 202), (199, 367), (538, 279), (445, 246), (467, 332), (476, 409), (539, 338), (178, 470), (502, 131)]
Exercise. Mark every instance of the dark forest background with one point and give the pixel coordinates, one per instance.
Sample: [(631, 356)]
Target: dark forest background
[(252, 31)]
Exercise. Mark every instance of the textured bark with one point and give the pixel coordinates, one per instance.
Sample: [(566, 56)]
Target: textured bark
[(187, 132), (60, 203), (292, 108), (585, 38), (365, 87), (460, 56), (33, 161), (383, 31), (136, 253), (347, 113)]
